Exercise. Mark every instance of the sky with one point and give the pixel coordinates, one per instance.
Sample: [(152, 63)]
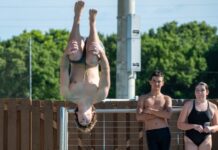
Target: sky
[(19, 15)]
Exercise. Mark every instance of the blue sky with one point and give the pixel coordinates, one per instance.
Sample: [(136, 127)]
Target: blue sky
[(19, 15)]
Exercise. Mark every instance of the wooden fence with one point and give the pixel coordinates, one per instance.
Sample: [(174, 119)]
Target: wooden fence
[(26, 125)]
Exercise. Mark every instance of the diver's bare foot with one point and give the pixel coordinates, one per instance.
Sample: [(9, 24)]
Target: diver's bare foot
[(92, 16), (79, 5)]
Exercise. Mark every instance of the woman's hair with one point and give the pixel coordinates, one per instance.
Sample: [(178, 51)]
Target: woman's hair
[(90, 126), (204, 84)]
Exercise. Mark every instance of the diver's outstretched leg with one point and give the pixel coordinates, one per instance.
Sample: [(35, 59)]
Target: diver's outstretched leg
[(76, 43), (93, 42)]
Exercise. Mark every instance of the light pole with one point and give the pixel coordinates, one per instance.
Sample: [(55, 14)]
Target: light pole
[(30, 69)]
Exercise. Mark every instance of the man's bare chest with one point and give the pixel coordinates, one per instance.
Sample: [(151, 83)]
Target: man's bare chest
[(154, 103)]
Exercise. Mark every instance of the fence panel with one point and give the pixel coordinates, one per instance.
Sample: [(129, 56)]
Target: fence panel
[(36, 130), (99, 130), (2, 125), (121, 127), (48, 125), (176, 134), (12, 125), (74, 139), (25, 125), (133, 130), (109, 128)]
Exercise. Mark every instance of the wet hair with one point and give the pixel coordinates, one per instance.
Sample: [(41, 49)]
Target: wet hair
[(90, 126), (204, 84), (157, 73)]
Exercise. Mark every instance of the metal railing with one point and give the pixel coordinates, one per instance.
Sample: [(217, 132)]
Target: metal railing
[(64, 119)]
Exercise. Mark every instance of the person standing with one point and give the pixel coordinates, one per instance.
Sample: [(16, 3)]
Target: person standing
[(198, 118), (154, 109)]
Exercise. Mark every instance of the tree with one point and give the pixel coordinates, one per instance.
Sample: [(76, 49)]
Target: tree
[(210, 75), (13, 67), (14, 64), (185, 53), (177, 50), (47, 50)]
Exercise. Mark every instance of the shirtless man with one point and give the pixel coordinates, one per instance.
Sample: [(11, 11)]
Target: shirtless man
[(153, 110), (80, 79)]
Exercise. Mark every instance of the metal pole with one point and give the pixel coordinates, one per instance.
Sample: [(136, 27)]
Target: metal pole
[(104, 133), (66, 129), (30, 69), (121, 76), (63, 129), (125, 80)]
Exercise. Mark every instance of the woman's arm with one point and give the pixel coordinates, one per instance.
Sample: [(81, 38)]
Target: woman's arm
[(214, 123)]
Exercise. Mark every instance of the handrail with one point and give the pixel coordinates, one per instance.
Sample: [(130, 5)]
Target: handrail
[(120, 110)]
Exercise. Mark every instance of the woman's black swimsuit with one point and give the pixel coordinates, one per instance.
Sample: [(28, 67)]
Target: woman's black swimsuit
[(200, 118)]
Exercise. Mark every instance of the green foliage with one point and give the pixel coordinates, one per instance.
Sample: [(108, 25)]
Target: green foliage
[(46, 53), (179, 51), (13, 67), (186, 53), (14, 64), (210, 76)]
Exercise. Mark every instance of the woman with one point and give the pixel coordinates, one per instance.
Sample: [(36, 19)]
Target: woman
[(199, 118)]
